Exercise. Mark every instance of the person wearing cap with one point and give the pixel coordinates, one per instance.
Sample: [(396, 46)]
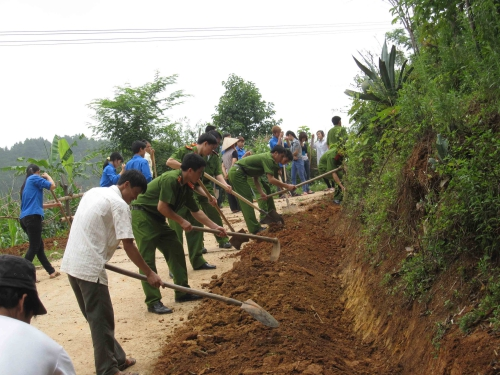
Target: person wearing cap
[(255, 166), (166, 197), (196, 247), (23, 348), (230, 157), (101, 221)]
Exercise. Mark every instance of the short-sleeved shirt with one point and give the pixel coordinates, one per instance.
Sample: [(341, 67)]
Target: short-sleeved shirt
[(141, 164), (147, 156), (183, 151), (328, 163), (109, 176), (32, 199), (259, 164), (169, 189), (294, 146), (321, 147), (240, 151), (336, 137), (214, 164), (26, 350), (101, 221)]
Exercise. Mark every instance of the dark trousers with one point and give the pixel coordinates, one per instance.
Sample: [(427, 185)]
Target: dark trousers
[(96, 307), (32, 226), (233, 201), (327, 182), (307, 169)]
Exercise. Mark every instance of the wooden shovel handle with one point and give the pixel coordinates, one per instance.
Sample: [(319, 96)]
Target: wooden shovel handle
[(306, 182), (216, 205), (237, 234), (61, 208), (138, 276), (215, 181)]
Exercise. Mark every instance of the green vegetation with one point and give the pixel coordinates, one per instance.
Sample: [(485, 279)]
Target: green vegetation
[(423, 156)]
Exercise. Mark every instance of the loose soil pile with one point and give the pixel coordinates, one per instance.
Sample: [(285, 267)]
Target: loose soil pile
[(302, 290)]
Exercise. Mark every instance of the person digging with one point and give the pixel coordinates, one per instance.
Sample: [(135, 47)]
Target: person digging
[(214, 168), (254, 167), (101, 221), (166, 197)]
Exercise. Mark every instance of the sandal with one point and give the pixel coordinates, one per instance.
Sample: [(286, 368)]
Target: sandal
[(128, 363), (310, 192), (55, 274)]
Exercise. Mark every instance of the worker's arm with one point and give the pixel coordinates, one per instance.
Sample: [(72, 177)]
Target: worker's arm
[(174, 164), (167, 211), (278, 183), (203, 219)]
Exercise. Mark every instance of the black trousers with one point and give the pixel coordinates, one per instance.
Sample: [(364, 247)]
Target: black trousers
[(32, 226), (96, 307), (233, 201)]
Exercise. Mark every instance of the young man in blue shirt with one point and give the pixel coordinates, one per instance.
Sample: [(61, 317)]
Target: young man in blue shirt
[(138, 162)]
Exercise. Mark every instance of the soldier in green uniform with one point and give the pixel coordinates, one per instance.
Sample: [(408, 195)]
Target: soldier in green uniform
[(255, 166), (165, 197), (205, 148), (329, 161), (337, 135)]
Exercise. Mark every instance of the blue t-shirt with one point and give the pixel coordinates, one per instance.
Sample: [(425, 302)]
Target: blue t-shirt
[(109, 176), (240, 152), (141, 164), (32, 199)]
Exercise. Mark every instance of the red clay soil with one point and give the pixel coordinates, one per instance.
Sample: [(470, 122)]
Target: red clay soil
[(302, 290), (334, 315)]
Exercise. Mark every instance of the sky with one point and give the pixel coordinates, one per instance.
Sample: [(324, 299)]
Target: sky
[(45, 89)]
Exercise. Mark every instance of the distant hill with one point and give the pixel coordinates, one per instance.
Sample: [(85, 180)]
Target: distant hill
[(39, 148)]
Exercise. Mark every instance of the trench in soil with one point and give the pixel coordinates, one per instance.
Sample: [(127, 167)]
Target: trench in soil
[(334, 315)]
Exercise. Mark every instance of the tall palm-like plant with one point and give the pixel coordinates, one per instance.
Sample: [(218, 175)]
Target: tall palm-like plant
[(381, 86)]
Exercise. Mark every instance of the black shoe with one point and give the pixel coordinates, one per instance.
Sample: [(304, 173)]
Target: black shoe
[(188, 298), (336, 201), (204, 250), (159, 308), (226, 245), (259, 230), (206, 266), (170, 274)]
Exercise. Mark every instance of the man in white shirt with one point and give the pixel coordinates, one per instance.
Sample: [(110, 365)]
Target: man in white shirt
[(23, 348), (101, 221)]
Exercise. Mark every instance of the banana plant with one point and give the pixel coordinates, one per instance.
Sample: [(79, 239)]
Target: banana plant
[(381, 86)]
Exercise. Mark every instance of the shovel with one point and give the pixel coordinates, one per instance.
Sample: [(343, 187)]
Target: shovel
[(308, 181), (235, 241), (249, 306), (275, 252), (270, 217)]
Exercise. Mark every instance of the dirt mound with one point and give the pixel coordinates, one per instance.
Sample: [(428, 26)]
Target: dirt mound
[(53, 243), (302, 291)]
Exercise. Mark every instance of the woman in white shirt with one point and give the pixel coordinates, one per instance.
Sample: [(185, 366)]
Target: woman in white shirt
[(321, 147)]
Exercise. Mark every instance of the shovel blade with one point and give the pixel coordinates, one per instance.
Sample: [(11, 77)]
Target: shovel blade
[(259, 313), (238, 241), (272, 217), (275, 252)]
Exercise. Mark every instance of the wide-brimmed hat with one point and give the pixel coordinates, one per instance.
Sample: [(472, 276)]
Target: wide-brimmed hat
[(17, 272), (228, 142)]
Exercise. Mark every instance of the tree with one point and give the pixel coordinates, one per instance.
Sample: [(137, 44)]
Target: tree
[(134, 113), (242, 111)]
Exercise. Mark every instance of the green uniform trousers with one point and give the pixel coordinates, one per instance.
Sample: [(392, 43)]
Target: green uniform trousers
[(339, 194), (240, 185), (212, 214), (150, 234), (263, 205), (194, 239)]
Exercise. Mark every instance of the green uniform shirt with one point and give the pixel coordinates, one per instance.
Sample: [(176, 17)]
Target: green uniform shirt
[(259, 164), (336, 137), (327, 162), (167, 188), (183, 151)]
